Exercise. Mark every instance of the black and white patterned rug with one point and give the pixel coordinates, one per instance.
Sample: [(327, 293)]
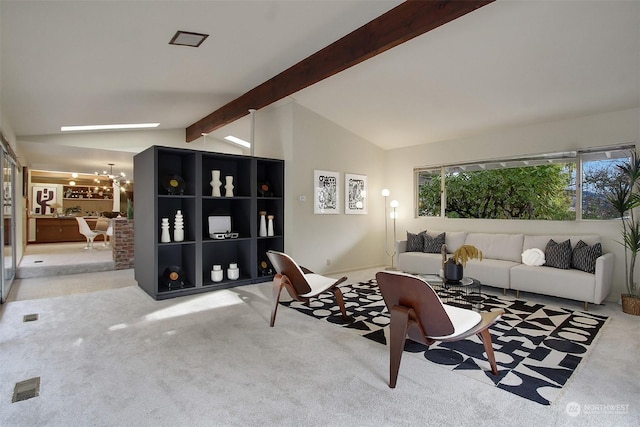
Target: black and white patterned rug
[(537, 347)]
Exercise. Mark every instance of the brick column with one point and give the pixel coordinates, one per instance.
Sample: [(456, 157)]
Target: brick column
[(123, 243)]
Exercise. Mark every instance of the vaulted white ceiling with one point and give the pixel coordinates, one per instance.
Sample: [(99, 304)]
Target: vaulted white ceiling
[(507, 64)]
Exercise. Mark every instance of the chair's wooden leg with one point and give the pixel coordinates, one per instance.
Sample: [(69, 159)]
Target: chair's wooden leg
[(485, 337), (586, 306), (277, 288), (398, 331), (337, 293), (518, 294)]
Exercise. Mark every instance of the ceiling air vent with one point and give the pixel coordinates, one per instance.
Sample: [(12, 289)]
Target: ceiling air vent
[(185, 38)]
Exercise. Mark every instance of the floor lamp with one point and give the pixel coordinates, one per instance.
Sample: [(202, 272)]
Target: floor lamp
[(394, 204)]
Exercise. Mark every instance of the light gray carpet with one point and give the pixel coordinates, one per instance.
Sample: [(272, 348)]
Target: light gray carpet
[(118, 358)]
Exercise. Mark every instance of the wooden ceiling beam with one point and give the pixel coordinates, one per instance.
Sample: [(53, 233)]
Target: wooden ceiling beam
[(402, 23)]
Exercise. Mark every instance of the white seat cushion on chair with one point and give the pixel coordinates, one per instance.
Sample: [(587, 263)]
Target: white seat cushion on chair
[(462, 320), (318, 284)]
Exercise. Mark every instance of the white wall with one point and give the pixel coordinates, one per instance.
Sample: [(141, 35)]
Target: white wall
[(565, 135), (307, 141)]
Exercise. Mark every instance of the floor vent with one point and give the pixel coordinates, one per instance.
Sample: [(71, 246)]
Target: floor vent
[(30, 317), (26, 389)]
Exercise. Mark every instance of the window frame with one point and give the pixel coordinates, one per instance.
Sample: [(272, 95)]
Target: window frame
[(577, 157)]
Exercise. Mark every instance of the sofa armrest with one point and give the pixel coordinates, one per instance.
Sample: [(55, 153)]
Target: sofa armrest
[(401, 246), (604, 277)]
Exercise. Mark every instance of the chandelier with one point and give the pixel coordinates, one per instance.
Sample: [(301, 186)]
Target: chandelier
[(119, 180)]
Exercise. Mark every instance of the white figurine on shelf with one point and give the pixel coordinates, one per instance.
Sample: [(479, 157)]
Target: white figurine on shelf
[(165, 236), (270, 225), (178, 227), (215, 183), (233, 272), (228, 186), (263, 224)]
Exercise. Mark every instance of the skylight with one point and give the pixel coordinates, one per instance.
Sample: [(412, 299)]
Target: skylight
[(109, 127)]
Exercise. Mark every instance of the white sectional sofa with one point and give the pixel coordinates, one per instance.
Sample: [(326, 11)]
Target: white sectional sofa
[(502, 265)]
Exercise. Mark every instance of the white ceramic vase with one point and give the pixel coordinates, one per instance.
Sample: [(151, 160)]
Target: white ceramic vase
[(228, 188), (165, 236), (263, 224), (215, 183), (270, 225), (178, 227), (233, 272), (216, 273)]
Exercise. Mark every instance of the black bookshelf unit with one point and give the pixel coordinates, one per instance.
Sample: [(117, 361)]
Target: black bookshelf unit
[(169, 180)]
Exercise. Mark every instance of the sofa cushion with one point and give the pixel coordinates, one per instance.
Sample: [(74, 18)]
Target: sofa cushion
[(558, 255), (507, 247), (433, 245), (415, 242), (533, 256), (540, 241), (584, 256)]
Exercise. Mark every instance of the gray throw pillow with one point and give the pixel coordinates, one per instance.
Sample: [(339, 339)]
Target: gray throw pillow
[(415, 242), (558, 255), (433, 245), (584, 256)]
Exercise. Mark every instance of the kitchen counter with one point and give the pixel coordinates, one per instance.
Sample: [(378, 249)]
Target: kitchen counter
[(62, 229)]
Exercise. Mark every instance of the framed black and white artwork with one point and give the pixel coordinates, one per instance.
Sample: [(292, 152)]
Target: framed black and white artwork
[(326, 192), (355, 188)]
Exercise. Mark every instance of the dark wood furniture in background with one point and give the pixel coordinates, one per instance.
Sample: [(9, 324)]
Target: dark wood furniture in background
[(57, 230)]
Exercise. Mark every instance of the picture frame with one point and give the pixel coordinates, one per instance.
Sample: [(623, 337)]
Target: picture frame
[(355, 194), (326, 192)]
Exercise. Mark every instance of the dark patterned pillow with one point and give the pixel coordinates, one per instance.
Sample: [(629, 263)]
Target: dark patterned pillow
[(584, 256), (433, 245), (558, 255), (415, 242)]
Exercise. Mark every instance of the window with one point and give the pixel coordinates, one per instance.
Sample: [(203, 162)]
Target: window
[(540, 187), (599, 175)]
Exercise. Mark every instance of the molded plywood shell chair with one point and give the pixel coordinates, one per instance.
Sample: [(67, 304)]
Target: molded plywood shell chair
[(87, 232), (417, 312), (301, 283)]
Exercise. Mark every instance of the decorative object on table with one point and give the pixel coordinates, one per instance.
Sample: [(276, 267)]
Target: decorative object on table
[(264, 189), (454, 267), (215, 183), (326, 192), (178, 227), (624, 198), (228, 187), (355, 191), (394, 204), (270, 225), (233, 272), (54, 208), (173, 184), (165, 236), (173, 277), (216, 273), (263, 224)]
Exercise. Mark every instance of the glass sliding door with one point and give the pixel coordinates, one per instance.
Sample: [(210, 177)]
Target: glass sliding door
[(7, 230)]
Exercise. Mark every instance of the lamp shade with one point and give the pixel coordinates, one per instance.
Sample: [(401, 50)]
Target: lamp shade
[(394, 204), (385, 192)]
